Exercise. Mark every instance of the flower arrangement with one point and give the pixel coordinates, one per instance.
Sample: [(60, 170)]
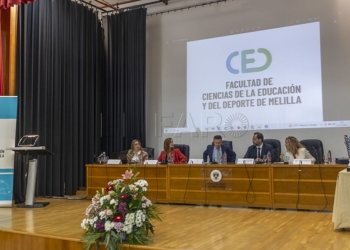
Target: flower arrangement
[(123, 214)]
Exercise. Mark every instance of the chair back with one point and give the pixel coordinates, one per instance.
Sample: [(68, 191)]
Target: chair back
[(150, 152), (276, 145), (184, 149), (227, 144), (120, 155), (315, 147)]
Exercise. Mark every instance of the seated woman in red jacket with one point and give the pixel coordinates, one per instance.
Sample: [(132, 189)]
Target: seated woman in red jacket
[(171, 154)]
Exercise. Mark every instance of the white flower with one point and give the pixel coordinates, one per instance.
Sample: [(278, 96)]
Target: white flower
[(141, 183), (113, 201), (102, 199), (139, 223), (139, 213), (83, 224), (144, 189), (109, 225), (127, 228), (86, 223), (102, 214)]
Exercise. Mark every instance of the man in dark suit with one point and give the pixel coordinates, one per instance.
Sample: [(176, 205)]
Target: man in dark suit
[(259, 149), (216, 151)]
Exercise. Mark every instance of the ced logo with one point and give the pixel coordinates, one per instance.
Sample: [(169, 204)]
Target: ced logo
[(245, 61)]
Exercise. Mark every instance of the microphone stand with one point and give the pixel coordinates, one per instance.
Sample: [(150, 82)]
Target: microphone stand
[(250, 181), (324, 189), (157, 181), (205, 183), (299, 171), (188, 177)]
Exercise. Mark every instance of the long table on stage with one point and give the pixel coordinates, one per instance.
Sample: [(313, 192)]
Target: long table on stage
[(310, 187)]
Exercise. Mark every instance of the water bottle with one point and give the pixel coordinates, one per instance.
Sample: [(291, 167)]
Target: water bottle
[(218, 160), (268, 157), (224, 158), (329, 157)]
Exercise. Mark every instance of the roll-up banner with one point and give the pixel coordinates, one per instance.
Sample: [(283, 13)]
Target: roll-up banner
[(8, 115)]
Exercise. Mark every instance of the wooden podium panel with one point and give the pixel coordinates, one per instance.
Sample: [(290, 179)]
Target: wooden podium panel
[(98, 176), (240, 185), (312, 187), (271, 186)]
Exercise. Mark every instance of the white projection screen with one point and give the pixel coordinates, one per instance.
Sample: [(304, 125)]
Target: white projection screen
[(275, 66)]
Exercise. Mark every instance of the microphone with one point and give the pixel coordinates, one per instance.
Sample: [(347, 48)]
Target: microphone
[(102, 154)]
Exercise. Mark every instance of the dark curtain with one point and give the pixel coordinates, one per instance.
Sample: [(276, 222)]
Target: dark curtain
[(123, 101), (59, 74)]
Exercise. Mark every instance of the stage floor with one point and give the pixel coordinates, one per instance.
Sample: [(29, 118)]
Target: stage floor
[(191, 226)]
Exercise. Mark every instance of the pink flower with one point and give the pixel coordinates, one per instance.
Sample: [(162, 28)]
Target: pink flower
[(128, 174)]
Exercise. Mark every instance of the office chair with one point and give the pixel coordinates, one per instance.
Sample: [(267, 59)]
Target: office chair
[(315, 147), (150, 152), (276, 145), (120, 155), (185, 149)]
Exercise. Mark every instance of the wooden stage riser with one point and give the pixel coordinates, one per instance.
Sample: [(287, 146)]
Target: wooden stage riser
[(21, 241)]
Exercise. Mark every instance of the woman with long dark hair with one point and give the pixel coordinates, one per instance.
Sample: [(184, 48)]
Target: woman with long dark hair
[(171, 154)]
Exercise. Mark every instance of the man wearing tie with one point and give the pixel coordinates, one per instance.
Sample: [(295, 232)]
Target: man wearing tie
[(259, 149), (216, 151)]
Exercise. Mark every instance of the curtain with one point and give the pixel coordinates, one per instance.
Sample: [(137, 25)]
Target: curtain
[(2, 91), (5, 4), (59, 75), (123, 100)]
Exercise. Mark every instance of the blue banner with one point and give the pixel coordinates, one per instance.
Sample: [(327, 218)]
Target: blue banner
[(8, 115), (8, 107)]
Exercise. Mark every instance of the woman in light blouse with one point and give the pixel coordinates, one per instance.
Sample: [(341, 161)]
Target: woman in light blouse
[(296, 150), (136, 154)]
